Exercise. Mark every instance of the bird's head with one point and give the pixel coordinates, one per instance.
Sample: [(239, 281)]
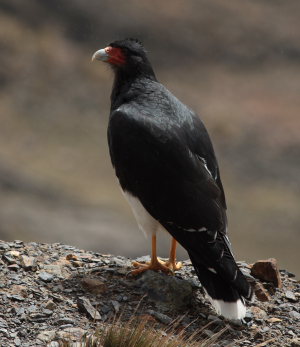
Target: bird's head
[(125, 55)]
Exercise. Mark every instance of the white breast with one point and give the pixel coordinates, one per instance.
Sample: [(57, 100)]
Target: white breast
[(145, 221)]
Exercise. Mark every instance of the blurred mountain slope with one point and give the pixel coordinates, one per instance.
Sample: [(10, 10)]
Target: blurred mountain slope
[(236, 63)]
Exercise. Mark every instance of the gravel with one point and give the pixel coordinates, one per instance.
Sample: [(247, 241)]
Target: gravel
[(50, 292)]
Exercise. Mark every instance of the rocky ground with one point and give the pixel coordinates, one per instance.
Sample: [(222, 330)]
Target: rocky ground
[(52, 292)]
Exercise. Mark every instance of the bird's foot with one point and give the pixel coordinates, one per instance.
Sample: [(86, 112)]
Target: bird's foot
[(155, 265), (172, 265)]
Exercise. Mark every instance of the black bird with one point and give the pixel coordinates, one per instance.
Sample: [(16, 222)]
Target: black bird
[(167, 169)]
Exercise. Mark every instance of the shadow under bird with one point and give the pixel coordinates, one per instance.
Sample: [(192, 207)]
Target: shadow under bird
[(168, 172)]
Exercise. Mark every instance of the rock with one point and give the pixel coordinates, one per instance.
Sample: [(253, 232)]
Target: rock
[(116, 305), (163, 318), (165, 291), (38, 317), (274, 320), (19, 290), (64, 320), (30, 307), (17, 342), (4, 332), (261, 293), (71, 257), (105, 309), (289, 274), (28, 263), (50, 305), (70, 334), (248, 316), (13, 267), (84, 305), (143, 259), (9, 259), (290, 296), (93, 285), (267, 270), (54, 270), (258, 312), (15, 297), (295, 342), (4, 246), (45, 276), (46, 336), (294, 315)]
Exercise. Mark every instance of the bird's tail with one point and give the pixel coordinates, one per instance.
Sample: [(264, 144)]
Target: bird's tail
[(215, 266), (227, 296)]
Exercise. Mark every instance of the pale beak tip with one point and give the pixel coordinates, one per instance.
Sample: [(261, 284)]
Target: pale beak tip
[(100, 55)]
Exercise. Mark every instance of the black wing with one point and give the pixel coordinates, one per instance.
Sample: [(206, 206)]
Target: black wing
[(171, 168)]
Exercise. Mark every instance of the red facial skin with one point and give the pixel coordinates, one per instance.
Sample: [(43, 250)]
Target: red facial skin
[(116, 56)]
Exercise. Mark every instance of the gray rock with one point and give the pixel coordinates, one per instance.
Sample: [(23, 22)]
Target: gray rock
[(15, 297), (54, 270), (143, 259), (4, 332), (290, 296), (248, 316), (47, 312), (38, 317), (105, 309), (236, 322), (294, 315), (45, 276), (13, 267), (64, 320), (32, 308), (28, 263), (265, 329), (4, 246), (167, 292), (17, 341), (116, 305), (65, 326), (295, 342), (20, 311), (84, 305), (163, 318), (50, 305), (9, 259)]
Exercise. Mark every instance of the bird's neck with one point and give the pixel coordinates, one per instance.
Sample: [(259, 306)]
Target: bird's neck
[(128, 83)]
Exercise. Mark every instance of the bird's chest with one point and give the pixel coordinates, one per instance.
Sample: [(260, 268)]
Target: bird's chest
[(135, 157)]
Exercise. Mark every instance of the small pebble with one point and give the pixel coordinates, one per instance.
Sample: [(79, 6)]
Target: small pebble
[(45, 276), (295, 315), (290, 296)]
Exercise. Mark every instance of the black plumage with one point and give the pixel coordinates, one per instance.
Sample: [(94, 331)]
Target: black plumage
[(163, 156)]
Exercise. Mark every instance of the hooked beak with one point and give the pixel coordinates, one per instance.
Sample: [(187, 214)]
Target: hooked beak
[(101, 55)]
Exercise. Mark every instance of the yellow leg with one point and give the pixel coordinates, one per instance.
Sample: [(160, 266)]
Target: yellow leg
[(157, 264), (171, 263)]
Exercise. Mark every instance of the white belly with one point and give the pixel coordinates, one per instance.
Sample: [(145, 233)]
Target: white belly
[(145, 221)]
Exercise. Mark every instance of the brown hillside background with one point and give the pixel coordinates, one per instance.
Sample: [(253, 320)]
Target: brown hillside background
[(237, 63)]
